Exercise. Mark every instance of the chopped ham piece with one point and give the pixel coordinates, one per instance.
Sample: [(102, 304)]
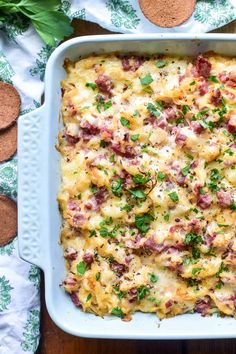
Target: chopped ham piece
[(216, 98), (104, 83), (75, 299), (151, 244), (88, 258), (204, 201), (126, 151), (231, 126), (132, 63), (203, 88), (224, 198), (170, 112), (228, 78), (70, 254), (180, 139), (118, 268), (202, 67), (203, 307), (197, 127)]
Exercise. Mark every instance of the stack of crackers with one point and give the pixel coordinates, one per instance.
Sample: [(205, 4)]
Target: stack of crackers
[(9, 111)]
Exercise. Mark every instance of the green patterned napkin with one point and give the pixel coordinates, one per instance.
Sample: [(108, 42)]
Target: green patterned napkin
[(23, 58)]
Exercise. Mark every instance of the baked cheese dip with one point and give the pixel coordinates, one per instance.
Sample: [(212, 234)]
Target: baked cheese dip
[(148, 191)]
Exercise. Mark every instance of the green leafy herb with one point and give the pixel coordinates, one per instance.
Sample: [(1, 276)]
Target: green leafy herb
[(125, 122), (192, 83), (185, 170), (138, 193), (192, 282), (134, 137), (116, 187), (229, 152), (142, 222), (112, 158), (46, 17), (92, 233), (185, 109), (196, 271), (89, 297), (104, 232), (107, 105), (174, 197), (97, 276), (116, 311), (213, 79), (201, 191), (103, 143), (142, 292), (154, 299), (153, 278), (81, 268), (127, 207), (233, 206), (223, 268), (161, 63), (153, 110), (146, 80), (167, 217), (142, 178), (92, 85), (192, 238), (204, 124), (160, 176)]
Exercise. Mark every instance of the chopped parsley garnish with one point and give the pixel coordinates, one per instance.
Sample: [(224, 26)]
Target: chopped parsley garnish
[(160, 176), (107, 105), (155, 300), (120, 294), (201, 191), (100, 103), (138, 193), (213, 79), (161, 63), (134, 137), (202, 113), (142, 222), (97, 276), (89, 297), (223, 268), (112, 158), (92, 233), (174, 197), (185, 170), (146, 80), (192, 83), (204, 124), (92, 85), (116, 311), (142, 292), (153, 110), (116, 187), (192, 282), (229, 152), (93, 189), (81, 268), (153, 278), (233, 206), (103, 143), (185, 109), (127, 207), (196, 271), (104, 232), (192, 238), (167, 217), (125, 122), (142, 178), (215, 175)]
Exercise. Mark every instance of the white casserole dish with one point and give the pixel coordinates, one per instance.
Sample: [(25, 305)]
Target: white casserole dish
[(38, 182)]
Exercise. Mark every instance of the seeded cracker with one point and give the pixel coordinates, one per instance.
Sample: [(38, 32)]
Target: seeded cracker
[(8, 220), (9, 105), (167, 13), (8, 142)]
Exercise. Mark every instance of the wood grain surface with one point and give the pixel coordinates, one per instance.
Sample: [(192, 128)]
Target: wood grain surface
[(55, 341)]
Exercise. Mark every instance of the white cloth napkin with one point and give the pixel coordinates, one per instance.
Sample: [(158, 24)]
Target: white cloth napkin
[(23, 57)]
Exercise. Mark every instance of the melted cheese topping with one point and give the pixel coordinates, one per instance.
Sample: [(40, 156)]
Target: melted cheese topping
[(148, 194)]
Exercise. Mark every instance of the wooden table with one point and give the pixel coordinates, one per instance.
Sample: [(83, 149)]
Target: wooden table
[(55, 341)]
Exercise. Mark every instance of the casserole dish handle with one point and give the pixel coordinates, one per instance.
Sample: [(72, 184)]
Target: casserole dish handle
[(31, 142)]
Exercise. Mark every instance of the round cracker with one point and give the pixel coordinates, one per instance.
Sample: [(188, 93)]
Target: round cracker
[(8, 142), (9, 105), (8, 220), (167, 13)]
